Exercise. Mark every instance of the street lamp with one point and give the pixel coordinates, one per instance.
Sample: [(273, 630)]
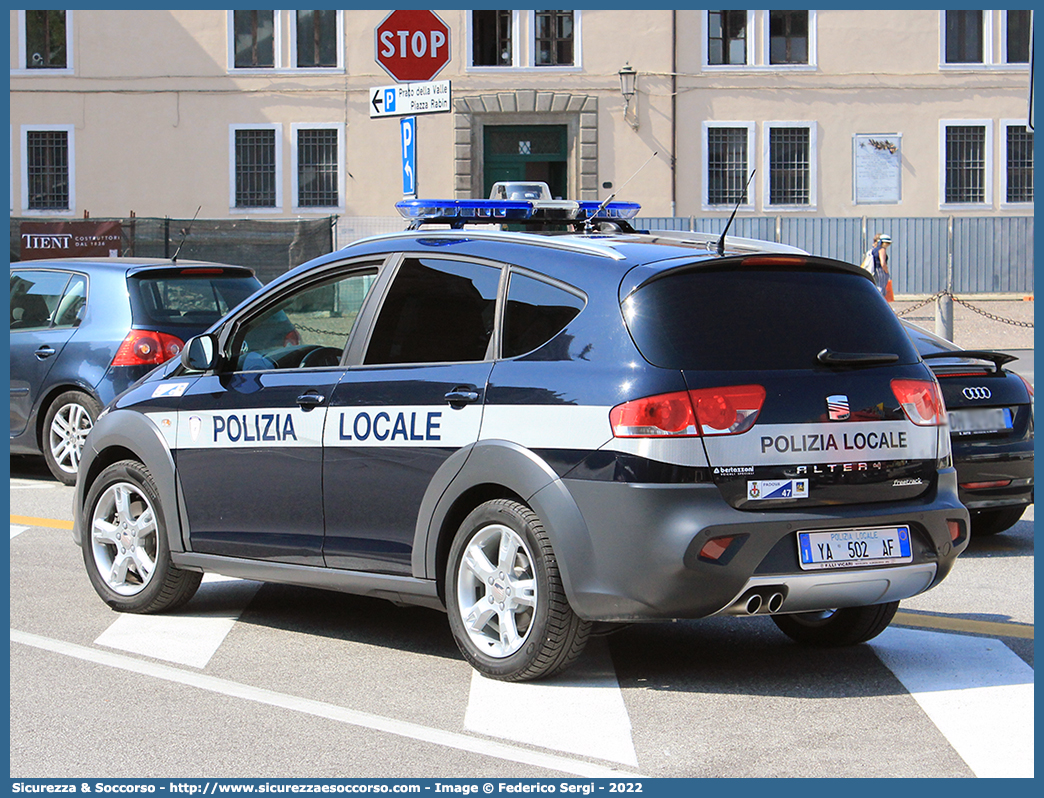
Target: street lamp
[(628, 85)]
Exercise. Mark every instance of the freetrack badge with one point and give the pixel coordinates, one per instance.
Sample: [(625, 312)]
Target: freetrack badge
[(777, 489)]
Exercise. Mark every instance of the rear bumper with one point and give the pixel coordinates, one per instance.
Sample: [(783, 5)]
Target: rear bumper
[(645, 540), (1012, 467)]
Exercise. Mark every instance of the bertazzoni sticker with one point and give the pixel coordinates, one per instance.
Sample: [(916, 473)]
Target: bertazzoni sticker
[(758, 489)]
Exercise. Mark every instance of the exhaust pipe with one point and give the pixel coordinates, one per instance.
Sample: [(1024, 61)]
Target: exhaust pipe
[(754, 604), (775, 602)]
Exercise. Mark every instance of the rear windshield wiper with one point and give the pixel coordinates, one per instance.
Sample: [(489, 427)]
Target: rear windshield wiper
[(855, 359), (997, 358)]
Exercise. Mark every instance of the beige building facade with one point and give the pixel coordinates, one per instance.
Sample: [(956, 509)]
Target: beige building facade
[(266, 114)]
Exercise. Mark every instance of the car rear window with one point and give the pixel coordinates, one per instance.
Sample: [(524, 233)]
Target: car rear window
[(191, 297), (735, 320)]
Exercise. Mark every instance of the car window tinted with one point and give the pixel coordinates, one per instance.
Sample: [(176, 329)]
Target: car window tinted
[(436, 311), (536, 312), (307, 329), (35, 296), (196, 299), (760, 319)]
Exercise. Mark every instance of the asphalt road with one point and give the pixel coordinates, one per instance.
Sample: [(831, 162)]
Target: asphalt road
[(273, 681)]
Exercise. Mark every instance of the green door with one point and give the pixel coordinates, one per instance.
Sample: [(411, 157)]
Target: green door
[(526, 152)]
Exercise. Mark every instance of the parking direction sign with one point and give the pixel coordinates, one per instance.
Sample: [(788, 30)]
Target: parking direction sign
[(409, 99), (408, 138)]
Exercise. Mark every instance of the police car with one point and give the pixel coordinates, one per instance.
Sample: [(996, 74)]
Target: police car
[(539, 428)]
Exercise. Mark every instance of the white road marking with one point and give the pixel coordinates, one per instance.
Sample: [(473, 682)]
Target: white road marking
[(34, 484), (414, 731), (188, 639), (975, 690), (17, 530), (581, 712)]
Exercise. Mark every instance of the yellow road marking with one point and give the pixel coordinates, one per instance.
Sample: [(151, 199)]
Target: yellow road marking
[(948, 624), (48, 523)]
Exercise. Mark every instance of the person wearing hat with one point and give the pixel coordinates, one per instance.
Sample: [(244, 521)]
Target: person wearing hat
[(882, 241)]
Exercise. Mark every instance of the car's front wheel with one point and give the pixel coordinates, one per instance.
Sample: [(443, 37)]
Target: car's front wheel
[(507, 607), (843, 627), (990, 522), (125, 543), (69, 418)]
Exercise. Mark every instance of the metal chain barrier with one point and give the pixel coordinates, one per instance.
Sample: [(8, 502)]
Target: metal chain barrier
[(919, 305), (980, 311), (992, 316)]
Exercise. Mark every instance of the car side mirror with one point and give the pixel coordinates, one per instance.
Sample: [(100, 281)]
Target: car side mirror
[(200, 353)]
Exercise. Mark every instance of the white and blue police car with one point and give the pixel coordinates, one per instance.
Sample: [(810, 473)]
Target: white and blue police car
[(528, 414)]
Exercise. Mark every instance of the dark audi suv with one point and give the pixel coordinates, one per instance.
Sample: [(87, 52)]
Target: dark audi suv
[(539, 431), (990, 410)]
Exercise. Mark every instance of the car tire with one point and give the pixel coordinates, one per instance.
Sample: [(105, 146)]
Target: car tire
[(507, 607), (842, 627), (68, 420), (125, 547), (990, 522)]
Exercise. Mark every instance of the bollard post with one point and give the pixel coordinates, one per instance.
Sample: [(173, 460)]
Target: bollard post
[(944, 316)]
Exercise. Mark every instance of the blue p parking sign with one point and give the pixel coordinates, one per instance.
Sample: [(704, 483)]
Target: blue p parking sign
[(408, 129)]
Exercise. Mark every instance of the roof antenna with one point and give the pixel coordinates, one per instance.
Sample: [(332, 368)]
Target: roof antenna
[(721, 241), (186, 232), (589, 224)]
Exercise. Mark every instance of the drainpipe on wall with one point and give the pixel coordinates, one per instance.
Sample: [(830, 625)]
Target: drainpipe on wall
[(674, 112)]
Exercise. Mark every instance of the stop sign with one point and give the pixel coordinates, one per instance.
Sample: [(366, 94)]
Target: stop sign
[(412, 45)]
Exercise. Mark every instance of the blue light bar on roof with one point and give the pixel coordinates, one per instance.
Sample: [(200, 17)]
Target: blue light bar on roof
[(494, 211), (464, 210), (612, 210)]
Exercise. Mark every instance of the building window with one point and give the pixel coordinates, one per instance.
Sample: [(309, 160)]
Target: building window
[(255, 166), (491, 43), (553, 38), (1019, 167), (254, 39), (317, 167), (317, 38), (48, 170), (44, 40), (1017, 37), (964, 37), (965, 165), (727, 38), (728, 164), (789, 158), (788, 37)]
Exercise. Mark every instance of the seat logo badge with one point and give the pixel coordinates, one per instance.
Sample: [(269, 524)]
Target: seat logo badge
[(977, 393), (195, 425), (837, 407)]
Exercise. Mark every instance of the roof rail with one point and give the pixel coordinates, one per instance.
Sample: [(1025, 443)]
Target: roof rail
[(710, 242), (567, 243)]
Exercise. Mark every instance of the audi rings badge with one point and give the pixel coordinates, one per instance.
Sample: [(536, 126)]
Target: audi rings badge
[(977, 393)]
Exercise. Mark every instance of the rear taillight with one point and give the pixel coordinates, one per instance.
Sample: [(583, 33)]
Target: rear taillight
[(147, 348), (1027, 383), (708, 411), (668, 414), (921, 400), (727, 411)]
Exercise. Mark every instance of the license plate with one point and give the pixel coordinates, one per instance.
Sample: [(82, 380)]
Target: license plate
[(852, 548), (980, 419)]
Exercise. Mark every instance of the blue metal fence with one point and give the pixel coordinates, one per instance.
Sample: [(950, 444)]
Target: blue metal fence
[(989, 254)]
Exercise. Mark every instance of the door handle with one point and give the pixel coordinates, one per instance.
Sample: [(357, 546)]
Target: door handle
[(461, 396), (44, 352), (308, 401)]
